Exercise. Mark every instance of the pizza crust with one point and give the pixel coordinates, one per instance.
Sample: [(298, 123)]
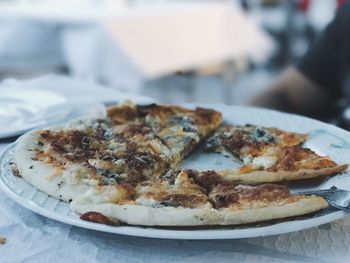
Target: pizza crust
[(43, 176), (177, 216), (259, 177)]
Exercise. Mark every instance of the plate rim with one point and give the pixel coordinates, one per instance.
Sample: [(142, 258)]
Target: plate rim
[(163, 233)]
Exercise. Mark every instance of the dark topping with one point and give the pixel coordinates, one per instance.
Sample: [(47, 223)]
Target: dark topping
[(98, 218), (146, 107), (110, 178), (2, 240), (74, 146), (15, 171), (185, 200), (190, 144), (107, 158), (138, 162), (234, 146), (212, 143), (228, 195), (108, 134), (31, 167), (79, 155), (262, 135), (122, 114), (85, 141), (139, 129), (73, 138), (155, 109), (206, 116), (40, 143), (207, 179), (100, 134), (58, 148), (170, 176), (225, 199)]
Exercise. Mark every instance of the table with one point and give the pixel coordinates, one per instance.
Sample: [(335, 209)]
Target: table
[(34, 238)]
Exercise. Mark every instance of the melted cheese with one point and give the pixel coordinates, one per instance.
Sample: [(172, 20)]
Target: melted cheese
[(106, 194), (263, 162)]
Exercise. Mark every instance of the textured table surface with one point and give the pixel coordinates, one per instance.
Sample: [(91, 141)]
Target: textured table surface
[(34, 238)]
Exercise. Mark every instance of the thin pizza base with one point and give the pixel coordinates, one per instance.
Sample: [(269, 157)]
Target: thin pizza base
[(177, 216)]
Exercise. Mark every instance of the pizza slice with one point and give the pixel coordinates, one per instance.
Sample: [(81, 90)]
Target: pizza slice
[(177, 200), (178, 128), (250, 141), (287, 164), (269, 155), (131, 144)]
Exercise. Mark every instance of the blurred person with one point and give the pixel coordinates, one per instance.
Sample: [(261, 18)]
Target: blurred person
[(314, 86)]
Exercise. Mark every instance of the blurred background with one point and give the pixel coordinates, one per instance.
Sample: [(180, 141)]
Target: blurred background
[(170, 51)]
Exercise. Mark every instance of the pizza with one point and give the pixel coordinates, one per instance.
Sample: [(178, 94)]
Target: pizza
[(123, 167), (269, 155)]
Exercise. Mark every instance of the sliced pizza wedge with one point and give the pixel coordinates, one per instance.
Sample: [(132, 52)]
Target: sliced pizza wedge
[(179, 129), (181, 202), (281, 164), (269, 155)]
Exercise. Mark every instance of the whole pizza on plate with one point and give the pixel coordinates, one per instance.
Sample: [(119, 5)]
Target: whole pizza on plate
[(125, 167)]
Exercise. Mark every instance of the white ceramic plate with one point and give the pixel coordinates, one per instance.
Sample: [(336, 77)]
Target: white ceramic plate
[(22, 110), (324, 139)]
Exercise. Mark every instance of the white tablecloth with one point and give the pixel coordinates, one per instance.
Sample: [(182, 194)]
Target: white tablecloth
[(34, 238)]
